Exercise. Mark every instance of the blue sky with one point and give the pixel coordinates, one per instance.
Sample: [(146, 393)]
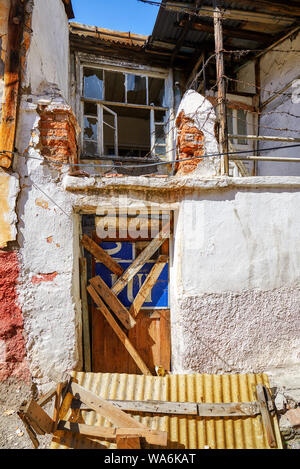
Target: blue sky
[(121, 15)]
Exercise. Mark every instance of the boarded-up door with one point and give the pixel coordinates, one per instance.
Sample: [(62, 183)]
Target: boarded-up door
[(151, 334)]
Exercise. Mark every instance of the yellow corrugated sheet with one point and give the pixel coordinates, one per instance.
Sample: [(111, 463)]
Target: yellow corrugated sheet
[(184, 432)]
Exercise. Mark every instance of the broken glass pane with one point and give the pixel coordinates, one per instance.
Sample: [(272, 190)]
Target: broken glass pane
[(90, 128), (93, 83), (157, 92), (136, 89), (90, 148), (114, 86), (90, 109), (160, 137)]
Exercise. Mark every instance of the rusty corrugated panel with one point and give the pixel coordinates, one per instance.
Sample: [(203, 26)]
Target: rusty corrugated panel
[(185, 432), (106, 35)]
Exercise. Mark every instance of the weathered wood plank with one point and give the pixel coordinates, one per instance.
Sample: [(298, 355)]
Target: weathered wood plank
[(57, 404), (232, 409), (101, 255), (29, 430), (126, 442), (154, 437), (265, 414), (113, 302), (35, 413), (116, 416), (138, 263), (11, 82), (85, 316), (118, 331), (147, 286)]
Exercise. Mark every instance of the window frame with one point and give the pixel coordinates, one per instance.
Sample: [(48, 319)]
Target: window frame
[(127, 69)]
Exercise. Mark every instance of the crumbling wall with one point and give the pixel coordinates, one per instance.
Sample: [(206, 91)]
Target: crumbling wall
[(40, 328), (195, 124)]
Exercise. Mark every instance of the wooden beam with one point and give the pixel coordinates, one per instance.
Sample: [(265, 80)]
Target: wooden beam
[(101, 255), (222, 114), (11, 82), (231, 409), (154, 437), (29, 430), (147, 286), (34, 413), (234, 14), (138, 263), (265, 413), (268, 6), (116, 416), (118, 331), (231, 33), (113, 302), (57, 404), (85, 316)]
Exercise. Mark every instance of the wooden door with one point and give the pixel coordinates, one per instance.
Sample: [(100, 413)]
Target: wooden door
[(151, 334)]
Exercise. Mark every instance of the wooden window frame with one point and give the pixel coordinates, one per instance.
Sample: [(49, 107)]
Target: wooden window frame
[(104, 104)]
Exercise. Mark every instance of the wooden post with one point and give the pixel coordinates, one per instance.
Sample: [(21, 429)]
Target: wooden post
[(11, 82), (223, 137)]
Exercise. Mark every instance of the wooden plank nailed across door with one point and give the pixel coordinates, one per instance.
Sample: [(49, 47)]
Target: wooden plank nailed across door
[(138, 263), (113, 302), (148, 285), (101, 255), (118, 331)]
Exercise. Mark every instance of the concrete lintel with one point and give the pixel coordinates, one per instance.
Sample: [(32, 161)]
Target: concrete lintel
[(98, 184)]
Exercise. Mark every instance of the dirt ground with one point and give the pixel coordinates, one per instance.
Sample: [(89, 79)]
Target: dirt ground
[(12, 431)]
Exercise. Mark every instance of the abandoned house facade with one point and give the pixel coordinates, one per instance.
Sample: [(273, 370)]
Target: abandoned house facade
[(110, 155)]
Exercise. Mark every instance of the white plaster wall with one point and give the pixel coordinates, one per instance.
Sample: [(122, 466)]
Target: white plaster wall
[(237, 289), (48, 55)]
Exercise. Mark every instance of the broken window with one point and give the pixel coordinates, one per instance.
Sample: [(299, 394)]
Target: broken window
[(124, 114)]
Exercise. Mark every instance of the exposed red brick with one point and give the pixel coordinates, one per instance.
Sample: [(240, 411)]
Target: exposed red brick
[(190, 143), (58, 135), (37, 279), (12, 343)]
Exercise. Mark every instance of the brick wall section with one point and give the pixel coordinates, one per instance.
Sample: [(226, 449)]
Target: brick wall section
[(12, 343), (58, 131), (190, 143)]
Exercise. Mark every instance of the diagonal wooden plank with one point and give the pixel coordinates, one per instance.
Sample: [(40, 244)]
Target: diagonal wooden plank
[(101, 255), (118, 331), (148, 285), (113, 302), (144, 256), (116, 416), (265, 414)]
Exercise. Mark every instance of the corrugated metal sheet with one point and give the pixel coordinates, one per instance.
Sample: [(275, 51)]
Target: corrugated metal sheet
[(108, 36), (184, 432)]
